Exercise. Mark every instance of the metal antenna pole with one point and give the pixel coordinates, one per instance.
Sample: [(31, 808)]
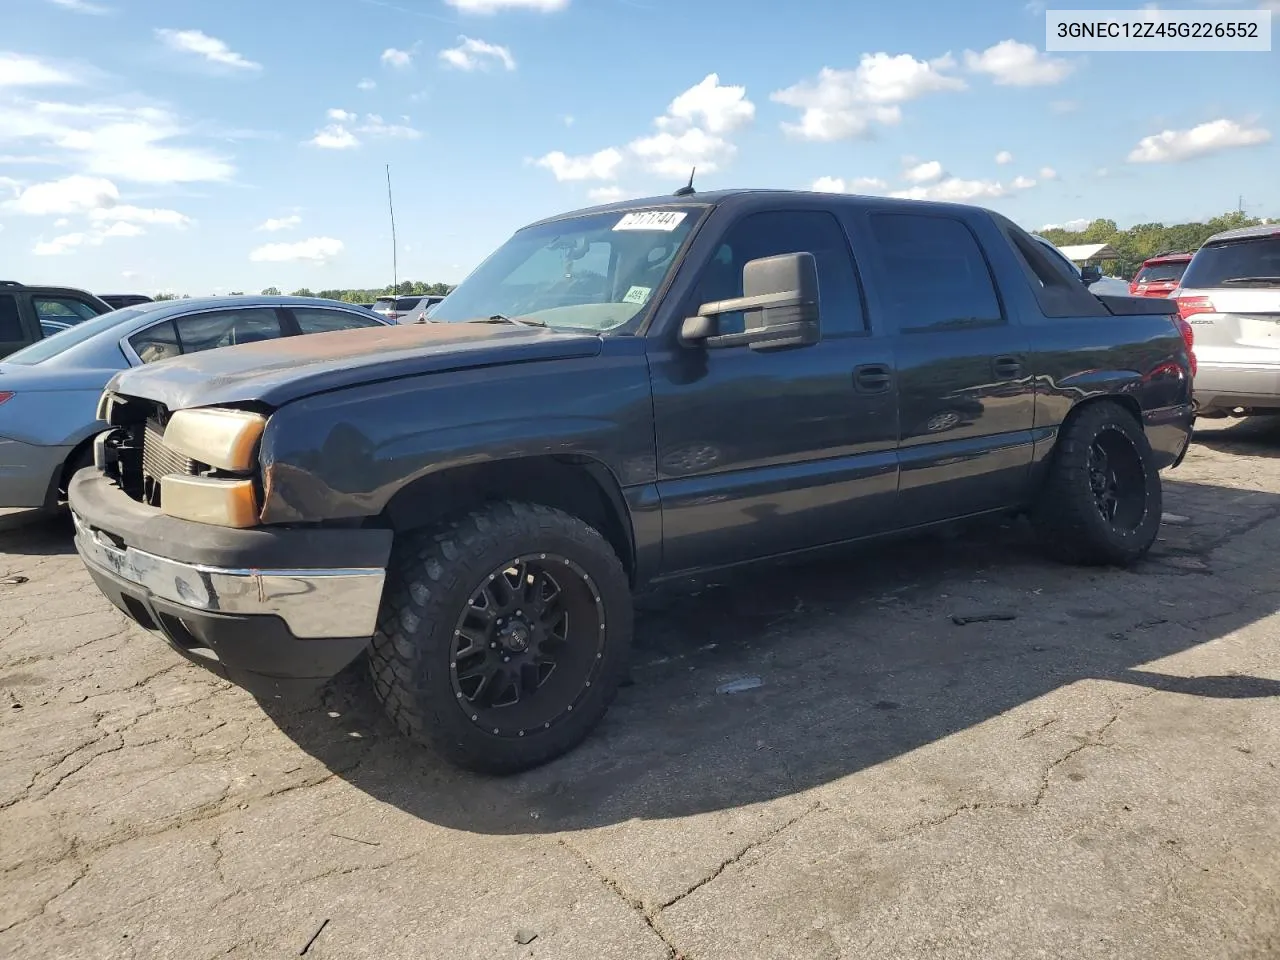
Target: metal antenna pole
[(395, 267)]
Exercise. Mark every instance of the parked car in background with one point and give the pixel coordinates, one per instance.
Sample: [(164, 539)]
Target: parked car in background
[(1159, 276), (618, 396), (31, 313), (1091, 274), (121, 300), (49, 391), (422, 311), (1230, 296), (394, 308)]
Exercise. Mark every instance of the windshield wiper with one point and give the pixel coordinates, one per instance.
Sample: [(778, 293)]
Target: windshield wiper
[(503, 318), (1251, 280)]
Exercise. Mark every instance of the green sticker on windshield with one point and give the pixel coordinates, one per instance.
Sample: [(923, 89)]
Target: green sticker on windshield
[(637, 295)]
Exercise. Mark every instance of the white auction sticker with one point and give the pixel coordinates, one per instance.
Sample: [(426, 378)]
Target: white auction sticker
[(637, 295), (666, 220)]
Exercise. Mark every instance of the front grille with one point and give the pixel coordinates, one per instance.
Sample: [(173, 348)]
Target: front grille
[(159, 461)]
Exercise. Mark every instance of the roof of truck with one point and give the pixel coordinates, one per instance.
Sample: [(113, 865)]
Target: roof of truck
[(715, 197), (1246, 233)]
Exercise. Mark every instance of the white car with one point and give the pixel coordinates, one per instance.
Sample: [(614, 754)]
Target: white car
[(1230, 295), (1109, 286)]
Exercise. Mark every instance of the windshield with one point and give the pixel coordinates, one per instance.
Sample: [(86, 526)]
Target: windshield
[(59, 343), (596, 272), (1239, 261), (1161, 271)]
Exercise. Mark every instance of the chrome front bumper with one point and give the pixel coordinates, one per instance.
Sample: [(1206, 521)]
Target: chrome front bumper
[(321, 603)]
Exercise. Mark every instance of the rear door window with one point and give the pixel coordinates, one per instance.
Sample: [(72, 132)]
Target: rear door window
[(227, 328), (317, 320), (63, 309), (1240, 263), (934, 274)]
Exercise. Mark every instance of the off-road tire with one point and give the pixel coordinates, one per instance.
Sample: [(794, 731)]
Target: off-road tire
[(1065, 514), (430, 580)]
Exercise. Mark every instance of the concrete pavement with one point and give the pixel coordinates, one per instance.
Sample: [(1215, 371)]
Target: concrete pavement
[(1095, 778)]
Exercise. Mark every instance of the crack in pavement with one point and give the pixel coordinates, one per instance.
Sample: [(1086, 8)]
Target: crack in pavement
[(652, 915)]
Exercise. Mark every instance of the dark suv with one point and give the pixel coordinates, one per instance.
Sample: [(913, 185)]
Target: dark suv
[(28, 314)]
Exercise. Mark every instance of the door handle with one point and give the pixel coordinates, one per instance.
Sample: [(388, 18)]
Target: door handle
[(1007, 368), (872, 378)]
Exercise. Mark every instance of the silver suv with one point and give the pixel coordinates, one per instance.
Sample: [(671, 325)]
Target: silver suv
[(1230, 295)]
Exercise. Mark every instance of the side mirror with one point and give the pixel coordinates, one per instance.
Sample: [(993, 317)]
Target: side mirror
[(1090, 273), (780, 301)]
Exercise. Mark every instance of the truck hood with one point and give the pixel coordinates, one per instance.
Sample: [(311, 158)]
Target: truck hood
[(275, 372)]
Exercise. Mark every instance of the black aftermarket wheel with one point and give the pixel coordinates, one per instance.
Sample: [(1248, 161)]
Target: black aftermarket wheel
[(503, 636), (1102, 500)]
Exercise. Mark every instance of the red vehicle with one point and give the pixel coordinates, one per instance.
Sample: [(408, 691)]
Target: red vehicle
[(1160, 275)]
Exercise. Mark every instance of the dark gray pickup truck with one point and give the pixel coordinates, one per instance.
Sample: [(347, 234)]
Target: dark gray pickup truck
[(615, 397)]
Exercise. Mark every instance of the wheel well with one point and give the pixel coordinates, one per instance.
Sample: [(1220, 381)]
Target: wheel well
[(1123, 401), (579, 486), (71, 464)]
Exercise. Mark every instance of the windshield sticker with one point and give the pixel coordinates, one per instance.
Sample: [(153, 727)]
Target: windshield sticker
[(637, 295), (665, 220)]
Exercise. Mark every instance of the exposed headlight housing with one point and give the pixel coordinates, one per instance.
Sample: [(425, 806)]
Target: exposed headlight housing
[(224, 439)]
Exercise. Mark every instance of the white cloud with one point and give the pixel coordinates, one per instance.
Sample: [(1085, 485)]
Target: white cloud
[(845, 103), (1048, 173), (1003, 157), (1010, 63), (62, 222), (81, 6), (63, 244), (400, 59), (342, 116), (126, 213), (856, 185), (472, 54), (17, 70), (1071, 226), (606, 194), (602, 165), (485, 7), (923, 172), (692, 133), (366, 84), (567, 120), (375, 126), (957, 190), (128, 143), (675, 155), (202, 45), (334, 137), (1172, 146), (707, 104), (73, 194), (123, 229), (281, 223), (311, 250)]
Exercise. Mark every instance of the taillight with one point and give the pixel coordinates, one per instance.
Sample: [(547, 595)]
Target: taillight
[(1189, 338), (1190, 306), (6, 395)]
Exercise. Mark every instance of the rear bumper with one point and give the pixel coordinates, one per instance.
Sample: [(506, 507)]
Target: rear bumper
[(283, 616), (1237, 385), (29, 474), (1169, 431)]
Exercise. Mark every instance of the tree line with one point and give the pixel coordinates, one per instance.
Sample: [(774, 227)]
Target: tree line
[(1144, 240), (406, 288)]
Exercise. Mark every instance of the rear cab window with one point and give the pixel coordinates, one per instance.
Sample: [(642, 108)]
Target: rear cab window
[(1243, 263)]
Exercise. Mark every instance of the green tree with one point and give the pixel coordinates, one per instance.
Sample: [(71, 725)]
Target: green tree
[(302, 292), (271, 292)]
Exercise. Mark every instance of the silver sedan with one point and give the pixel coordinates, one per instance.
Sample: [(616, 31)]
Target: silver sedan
[(49, 391)]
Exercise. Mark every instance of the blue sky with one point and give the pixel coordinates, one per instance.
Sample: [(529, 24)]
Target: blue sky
[(214, 145)]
